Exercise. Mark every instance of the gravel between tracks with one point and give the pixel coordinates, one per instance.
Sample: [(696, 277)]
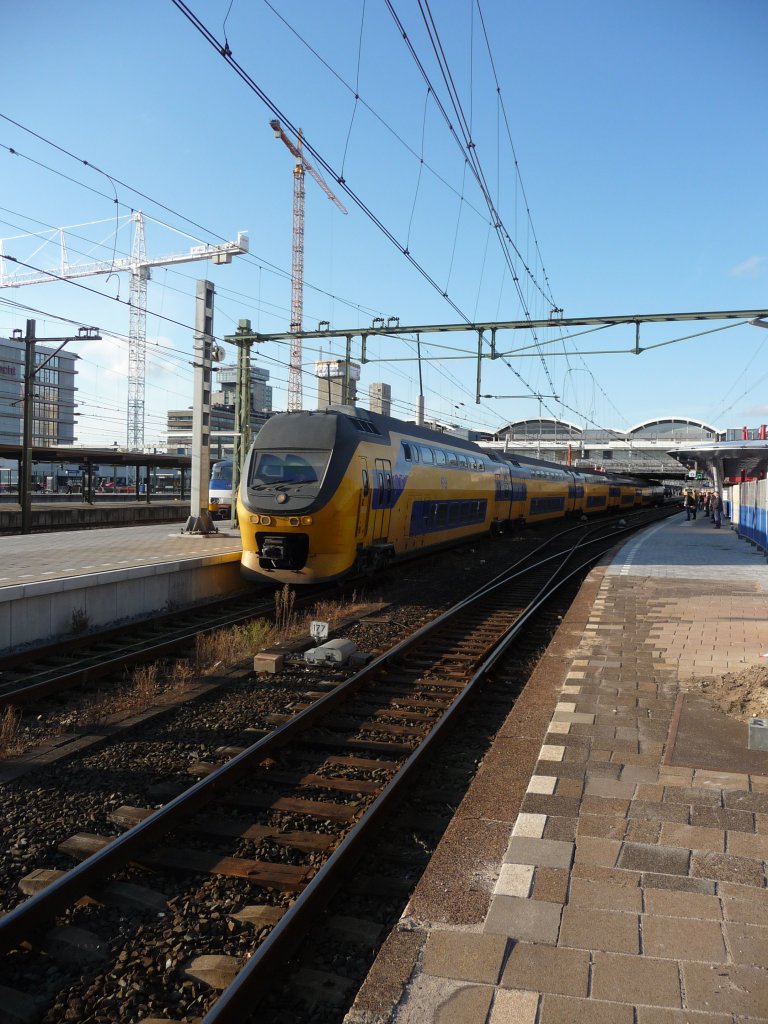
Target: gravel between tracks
[(142, 768)]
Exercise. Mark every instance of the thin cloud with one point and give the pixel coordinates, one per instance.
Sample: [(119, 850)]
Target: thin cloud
[(750, 268)]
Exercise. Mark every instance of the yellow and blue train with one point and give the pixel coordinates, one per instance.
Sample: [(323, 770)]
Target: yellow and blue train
[(342, 490)]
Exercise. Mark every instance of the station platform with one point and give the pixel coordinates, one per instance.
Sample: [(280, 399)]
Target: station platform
[(99, 578), (608, 865)]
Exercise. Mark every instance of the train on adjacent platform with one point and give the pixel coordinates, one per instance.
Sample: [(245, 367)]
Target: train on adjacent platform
[(220, 490), (342, 491)]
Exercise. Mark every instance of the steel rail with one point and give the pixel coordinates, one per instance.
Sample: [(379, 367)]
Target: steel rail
[(21, 922), (96, 664), (236, 1002)]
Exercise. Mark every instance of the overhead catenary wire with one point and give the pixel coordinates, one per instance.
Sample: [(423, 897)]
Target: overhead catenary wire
[(226, 54)]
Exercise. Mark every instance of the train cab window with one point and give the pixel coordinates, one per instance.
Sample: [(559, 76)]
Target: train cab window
[(407, 452), (427, 455), (440, 457), (292, 468)]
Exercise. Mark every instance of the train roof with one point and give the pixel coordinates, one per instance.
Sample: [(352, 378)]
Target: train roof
[(342, 424), (323, 426)]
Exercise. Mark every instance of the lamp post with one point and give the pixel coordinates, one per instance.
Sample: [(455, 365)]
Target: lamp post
[(30, 372)]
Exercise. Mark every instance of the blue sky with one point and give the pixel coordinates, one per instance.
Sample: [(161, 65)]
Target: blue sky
[(639, 138)]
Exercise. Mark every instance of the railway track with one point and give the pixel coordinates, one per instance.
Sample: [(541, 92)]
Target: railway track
[(290, 813), (30, 675)]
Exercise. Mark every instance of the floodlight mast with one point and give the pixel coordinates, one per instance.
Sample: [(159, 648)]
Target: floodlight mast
[(297, 256)]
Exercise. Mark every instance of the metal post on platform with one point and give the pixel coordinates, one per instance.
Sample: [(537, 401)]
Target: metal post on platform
[(26, 442), (30, 372), (200, 518), (241, 440)]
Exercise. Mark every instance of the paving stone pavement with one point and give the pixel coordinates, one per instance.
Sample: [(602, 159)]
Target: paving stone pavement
[(631, 891)]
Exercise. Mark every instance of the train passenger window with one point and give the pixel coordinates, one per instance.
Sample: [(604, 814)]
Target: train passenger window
[(442, 514), (453, 513), (440, 456), (407, 451), (462, 461), (427, 455), (481, 465), (366, 484), (452, 460)]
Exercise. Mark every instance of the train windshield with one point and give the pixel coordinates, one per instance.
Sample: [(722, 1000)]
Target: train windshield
[(288, 468), (222, 470)]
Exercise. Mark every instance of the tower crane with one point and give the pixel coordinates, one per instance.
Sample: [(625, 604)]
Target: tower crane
[(139, 268), (297, 256)]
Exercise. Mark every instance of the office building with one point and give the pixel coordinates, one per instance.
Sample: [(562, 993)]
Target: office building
[(380, 399), (225, 386), (336, 382), (53, 417)]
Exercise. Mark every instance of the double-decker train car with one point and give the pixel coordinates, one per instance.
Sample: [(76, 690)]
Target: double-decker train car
[(342, 490)]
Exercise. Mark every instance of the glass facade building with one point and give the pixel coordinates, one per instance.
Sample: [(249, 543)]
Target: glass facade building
[(53, 395)]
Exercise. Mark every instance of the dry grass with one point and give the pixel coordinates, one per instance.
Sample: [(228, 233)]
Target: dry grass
[(285, 614), (215, 651), (11, 737), (138, 693)]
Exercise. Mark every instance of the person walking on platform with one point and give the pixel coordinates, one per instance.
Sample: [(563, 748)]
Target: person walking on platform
[(717, 513), (690, 505)]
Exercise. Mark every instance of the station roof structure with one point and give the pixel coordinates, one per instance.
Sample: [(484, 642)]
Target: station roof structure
[(730, 459), (673, 427)]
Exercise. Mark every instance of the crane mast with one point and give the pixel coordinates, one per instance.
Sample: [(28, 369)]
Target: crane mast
[(295, 400), (295, 397)]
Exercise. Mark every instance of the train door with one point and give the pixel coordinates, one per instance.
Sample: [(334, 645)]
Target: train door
[(382, 499), (364, 506)]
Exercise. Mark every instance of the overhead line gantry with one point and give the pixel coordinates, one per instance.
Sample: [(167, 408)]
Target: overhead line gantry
[(752, 316)]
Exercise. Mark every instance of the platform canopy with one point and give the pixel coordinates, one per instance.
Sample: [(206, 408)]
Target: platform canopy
[(726, 458)]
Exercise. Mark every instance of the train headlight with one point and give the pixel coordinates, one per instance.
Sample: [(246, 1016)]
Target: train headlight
[(265, 520), (282, 498), (306, 520)]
